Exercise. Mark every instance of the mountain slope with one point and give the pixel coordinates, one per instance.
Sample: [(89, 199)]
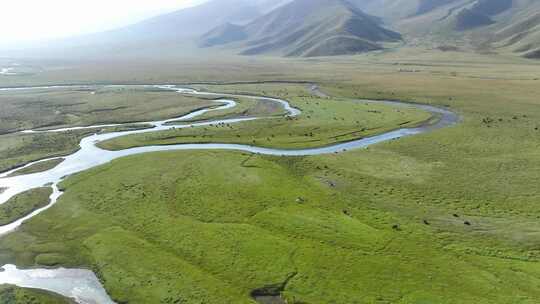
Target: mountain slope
[(468, 19), (223, 34), (309, 28), (197, 20), (395, 10), (489, 25), (187, 23), (520, 34), (172, 32)]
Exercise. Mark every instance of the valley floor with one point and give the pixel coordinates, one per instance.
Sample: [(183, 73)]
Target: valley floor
[(449, 216)]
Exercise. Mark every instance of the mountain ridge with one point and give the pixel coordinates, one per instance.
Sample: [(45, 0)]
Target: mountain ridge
[(504, 26), (308, 28)]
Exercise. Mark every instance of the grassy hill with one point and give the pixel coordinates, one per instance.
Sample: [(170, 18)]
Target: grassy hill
[(306, 29)]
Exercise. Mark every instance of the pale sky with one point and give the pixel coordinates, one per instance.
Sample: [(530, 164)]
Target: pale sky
[(32, 20)]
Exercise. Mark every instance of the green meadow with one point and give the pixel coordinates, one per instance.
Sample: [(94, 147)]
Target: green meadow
[(74, 107), (449, 216), (15, 295), (323, 121), (86, 106), (23, 204), (19, 149), (38, 167)]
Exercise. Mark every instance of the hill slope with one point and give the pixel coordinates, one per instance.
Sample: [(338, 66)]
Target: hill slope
[(492, 25), (307, 28), (521, 34)]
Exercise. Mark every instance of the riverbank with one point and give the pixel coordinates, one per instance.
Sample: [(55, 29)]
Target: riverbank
[(12, 294)]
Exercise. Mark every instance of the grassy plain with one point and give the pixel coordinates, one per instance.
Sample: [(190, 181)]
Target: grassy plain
[(15, 295), (42, 109), (245, 107), (38, 167), (445, 217), (323, 121), (19, 149), (24, 204), (39, 109), (328, 227)]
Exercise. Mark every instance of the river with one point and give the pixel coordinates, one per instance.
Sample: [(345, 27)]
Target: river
[(82, 285)]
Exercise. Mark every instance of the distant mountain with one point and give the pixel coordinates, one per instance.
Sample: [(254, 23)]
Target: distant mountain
[(520, 33), (223, 34), (189, 23), (306, 28), (197, 20), (468, 19), (175, 31), (489, 25)]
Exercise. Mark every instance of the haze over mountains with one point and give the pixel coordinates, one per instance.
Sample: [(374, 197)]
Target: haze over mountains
[(485, 25), (307, 28)]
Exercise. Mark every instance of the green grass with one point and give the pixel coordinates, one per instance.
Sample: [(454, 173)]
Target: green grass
[(23, 204), (19, 149), (15, 295), (216, 246), (35, 109), (246, 107), (42, 109), (38, 167), (445, 217), (323, 121)]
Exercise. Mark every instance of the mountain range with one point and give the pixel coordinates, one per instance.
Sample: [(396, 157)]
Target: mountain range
[(307, 28), (487, 25)]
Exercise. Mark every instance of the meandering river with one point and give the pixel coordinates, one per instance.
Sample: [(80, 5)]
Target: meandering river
[(82, 285)]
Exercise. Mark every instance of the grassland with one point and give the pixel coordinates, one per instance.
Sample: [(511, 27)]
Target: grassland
[(23, 204), (78, 107), (445, 217), (42, 109), (38, 167), (323, 121), (289, 217), (245, 107), (19, 149), (15, 295)]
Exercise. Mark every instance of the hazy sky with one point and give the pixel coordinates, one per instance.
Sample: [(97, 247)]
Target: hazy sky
[(30, 20)]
